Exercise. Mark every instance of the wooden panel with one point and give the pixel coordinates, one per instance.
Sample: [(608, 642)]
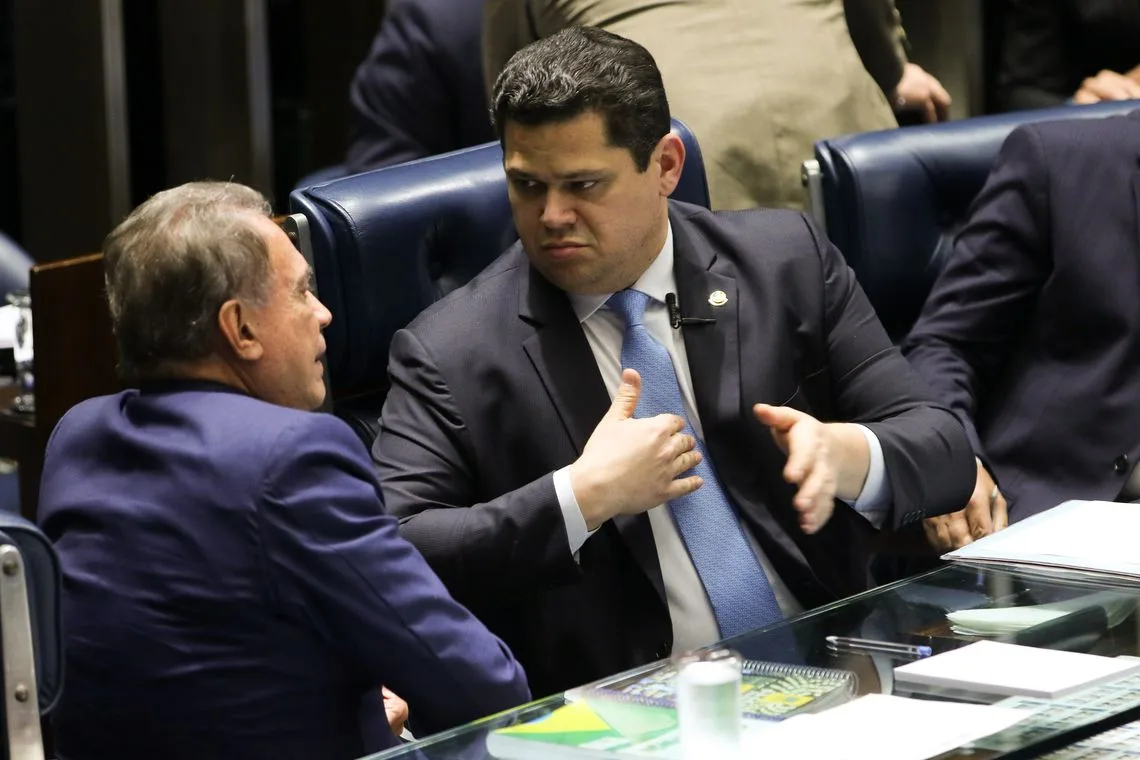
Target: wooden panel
[(337, 38), (71, 123), (75, 353), (215, 63)]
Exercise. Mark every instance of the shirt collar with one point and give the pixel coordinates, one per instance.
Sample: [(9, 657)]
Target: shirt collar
[(655, 281)]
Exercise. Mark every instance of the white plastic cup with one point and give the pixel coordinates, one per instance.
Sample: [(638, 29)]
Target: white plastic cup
[(709, 710)]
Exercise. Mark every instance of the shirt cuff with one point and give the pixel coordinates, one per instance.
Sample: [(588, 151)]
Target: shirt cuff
[(576, 532), (874, 500)]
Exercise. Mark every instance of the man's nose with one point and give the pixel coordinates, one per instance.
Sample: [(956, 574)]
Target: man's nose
[(558, 210), (324, 316)]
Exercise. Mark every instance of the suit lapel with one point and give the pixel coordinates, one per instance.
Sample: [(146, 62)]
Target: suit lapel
[(569, 373), (562, 357), (713, 350)]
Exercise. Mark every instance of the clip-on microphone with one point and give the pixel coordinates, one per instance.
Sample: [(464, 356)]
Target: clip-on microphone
[(675, 318)]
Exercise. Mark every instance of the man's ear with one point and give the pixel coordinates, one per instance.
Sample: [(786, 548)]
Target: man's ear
[(670, 157), (238, 331)]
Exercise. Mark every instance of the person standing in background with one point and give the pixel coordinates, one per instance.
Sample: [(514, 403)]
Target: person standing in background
[(1057, 50), (758, 82)]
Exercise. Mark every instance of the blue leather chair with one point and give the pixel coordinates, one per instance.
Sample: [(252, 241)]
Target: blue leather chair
[(894, 201), (30, 634), (388, 243)]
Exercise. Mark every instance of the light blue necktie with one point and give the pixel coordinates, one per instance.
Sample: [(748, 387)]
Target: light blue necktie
[(737, 588)]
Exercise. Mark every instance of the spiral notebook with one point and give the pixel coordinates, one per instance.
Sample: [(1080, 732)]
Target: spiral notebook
[(635, 716), (769, 691)]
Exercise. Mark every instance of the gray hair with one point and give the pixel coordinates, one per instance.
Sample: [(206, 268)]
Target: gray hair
[(172, 263)]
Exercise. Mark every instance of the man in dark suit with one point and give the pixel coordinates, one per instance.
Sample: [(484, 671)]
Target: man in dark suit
[(1059, 50), (420, 90), (561, 461), (1031, 333), (232, 586)]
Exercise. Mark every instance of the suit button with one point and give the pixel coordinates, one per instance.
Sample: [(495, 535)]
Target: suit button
[(1120, 464)]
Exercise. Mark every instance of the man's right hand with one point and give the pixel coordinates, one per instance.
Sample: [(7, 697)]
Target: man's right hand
[(1108, 85), (631, 465), (984, 514)]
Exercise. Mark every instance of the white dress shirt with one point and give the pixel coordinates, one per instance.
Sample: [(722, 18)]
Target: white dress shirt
[(694, 624)]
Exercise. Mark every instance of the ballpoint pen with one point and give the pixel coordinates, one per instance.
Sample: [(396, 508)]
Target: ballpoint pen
[(846, 644)]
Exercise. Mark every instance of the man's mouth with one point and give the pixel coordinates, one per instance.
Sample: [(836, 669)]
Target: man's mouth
[(562, 247)]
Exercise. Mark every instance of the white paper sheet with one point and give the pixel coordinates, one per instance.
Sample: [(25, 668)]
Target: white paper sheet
[(991, 667), (1087, 535), (881, 727)]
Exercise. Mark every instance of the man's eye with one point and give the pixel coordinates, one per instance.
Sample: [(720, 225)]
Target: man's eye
[(526, 185), (584, 185)]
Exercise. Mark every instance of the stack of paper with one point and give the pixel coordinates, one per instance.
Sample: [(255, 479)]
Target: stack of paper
[(990, 667), (1083, 535), (998, 621)]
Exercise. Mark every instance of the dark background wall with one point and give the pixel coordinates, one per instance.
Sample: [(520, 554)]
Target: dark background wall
[(104, 102)]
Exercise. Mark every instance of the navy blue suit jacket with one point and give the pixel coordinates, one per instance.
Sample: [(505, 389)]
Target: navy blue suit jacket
[(1032, 332), (232, 588), (495, 387), (420, 91)]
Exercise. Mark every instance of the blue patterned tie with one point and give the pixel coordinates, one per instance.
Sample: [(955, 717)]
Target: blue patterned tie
[(739, 592)]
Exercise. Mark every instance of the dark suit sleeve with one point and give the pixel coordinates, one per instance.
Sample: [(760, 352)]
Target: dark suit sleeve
[(925, 450), (1036, 67), (877, 32), (403, 98), (429, 474), (337, 561), (986, 293)]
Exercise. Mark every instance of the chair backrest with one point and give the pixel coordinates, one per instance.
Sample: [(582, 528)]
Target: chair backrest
[(32, 643), (894, 201), (387, 243)]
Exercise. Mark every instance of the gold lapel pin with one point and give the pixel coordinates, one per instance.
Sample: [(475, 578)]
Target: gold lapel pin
[(718, 298)]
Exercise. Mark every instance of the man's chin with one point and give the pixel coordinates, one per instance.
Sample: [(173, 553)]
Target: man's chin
[(575, 280)]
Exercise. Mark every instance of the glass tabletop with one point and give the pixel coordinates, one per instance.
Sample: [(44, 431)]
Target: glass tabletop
[(914, 611)]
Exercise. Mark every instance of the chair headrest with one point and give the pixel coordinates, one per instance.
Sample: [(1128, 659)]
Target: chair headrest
[(895, 200), (388, 243), (41, 567)]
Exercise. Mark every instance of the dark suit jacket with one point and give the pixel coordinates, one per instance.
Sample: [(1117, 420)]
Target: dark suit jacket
[(232, 588), (420, 91), (1051, 46), (495, 387), (1031, 333)]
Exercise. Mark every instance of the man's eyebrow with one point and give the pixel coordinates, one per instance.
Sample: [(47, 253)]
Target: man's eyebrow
[(305, 281), (567, 177)]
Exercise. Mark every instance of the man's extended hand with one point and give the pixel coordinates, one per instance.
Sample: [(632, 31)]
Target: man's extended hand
[(921, 90), (984, 514), (396, 709), (1108, 85), (631, 465), (824, 459)]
